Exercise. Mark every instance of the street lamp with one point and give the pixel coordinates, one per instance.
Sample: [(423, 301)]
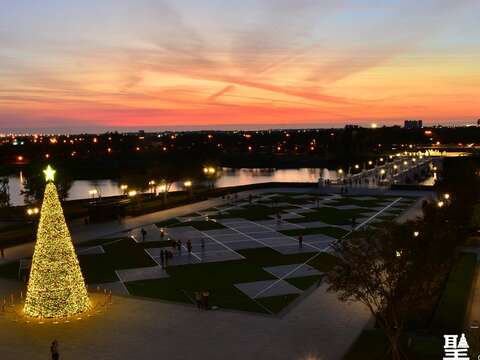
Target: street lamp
[(132, 193), (93, 192), (416, 233), (124, 188), (446, 196), (32, 211), (440, 204)]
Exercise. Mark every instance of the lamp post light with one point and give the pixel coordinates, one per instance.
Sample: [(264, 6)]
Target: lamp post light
[(446, 196), (440, 204), (93, 193), (32, 211), (188, 186), (124, 188), (416, 233), (151, 183)]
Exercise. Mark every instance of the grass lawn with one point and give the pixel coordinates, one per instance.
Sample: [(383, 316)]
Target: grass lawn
[(450, 313), (18, 234), (332, 231), (264, 257), (201, 225), (331, 215), (289, 199), (9, 270), (219, 278), (351, 201), (305, 282), (122, 254), (250, 212)]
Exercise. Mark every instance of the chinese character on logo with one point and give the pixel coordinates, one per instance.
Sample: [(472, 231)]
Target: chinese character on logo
[(456, 350)]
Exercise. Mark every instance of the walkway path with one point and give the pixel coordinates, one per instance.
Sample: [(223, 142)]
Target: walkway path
[(320, 327)]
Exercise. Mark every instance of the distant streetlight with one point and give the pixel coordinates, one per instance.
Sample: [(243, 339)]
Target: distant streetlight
[(187, 184), (357, 166), (395, 167), (340, 171), (132, 193), (382, 172), (405, 163), (446, 196), (93, 192), (416, 233), (440, 204), (370, 162), (209, 170), (32, 211)]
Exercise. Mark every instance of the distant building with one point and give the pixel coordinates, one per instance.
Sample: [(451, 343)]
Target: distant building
[(478, 122), (351, 127), (413, 124)]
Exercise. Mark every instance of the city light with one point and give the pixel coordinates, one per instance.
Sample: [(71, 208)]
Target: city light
[(33, 211), (440, 204), (357, 166), (446, 196), (382, 172), (416, 233), (340, 171), (187, 184), (132, 193)]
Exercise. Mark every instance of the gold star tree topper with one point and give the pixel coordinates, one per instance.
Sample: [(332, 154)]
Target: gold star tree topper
[(49, 173)]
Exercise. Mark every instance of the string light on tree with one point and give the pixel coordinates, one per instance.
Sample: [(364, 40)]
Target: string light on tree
[(56, 287)]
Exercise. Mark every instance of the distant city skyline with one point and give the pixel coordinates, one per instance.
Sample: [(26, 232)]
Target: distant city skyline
[(100, 65)]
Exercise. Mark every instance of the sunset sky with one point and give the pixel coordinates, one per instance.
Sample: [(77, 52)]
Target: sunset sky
[(102, 64)]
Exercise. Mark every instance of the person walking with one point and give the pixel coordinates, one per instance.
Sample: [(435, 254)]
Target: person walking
[(205, 297), (144, 234), (198, 299), (54, 350), (300, 241), (189, 246), (179, 246), (162, 259)]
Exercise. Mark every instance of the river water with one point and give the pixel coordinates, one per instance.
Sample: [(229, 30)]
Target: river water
[(226, 177)]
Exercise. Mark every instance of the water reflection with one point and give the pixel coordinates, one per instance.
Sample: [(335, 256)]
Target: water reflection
[(226, 177)]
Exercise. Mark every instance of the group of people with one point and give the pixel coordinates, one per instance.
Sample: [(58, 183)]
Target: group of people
[(201, 299)]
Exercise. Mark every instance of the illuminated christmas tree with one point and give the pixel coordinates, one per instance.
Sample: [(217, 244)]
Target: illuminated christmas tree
[(56, 287)]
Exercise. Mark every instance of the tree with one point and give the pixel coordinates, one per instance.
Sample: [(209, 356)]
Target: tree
[(394, 273), (56, 287)]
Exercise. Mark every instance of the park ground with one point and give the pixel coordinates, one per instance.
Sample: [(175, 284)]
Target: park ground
[(270, 304)]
